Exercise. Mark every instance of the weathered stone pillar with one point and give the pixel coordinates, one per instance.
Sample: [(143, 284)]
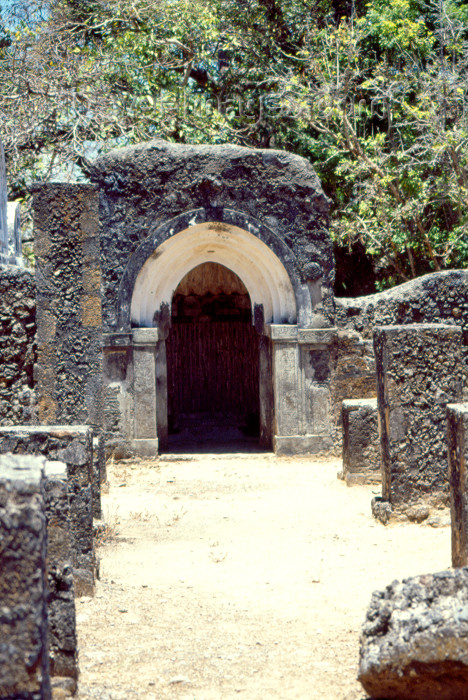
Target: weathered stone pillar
[(118, 402), (68, 284), (457, 439), (301, 381), (361, 442), (419, 371), (63, 655), (145, 441), (24, 668)]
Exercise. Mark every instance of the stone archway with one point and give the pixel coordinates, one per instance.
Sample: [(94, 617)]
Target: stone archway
[(293, 398), (212, 353)]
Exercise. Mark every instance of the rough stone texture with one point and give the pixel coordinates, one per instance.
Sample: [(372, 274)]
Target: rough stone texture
[(361, 442), (457, 440), (62, 639), (419, 371), (68, 279), (24, 672), (414, 642), (145, 186), (73, 446), (17, 345), (440, 297), (352, 376)]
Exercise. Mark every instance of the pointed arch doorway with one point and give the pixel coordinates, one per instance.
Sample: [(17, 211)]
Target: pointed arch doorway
[(212, 353)]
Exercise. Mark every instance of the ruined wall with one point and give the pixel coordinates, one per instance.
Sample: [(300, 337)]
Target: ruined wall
[(73, 446), (440, 297), (17, 345)]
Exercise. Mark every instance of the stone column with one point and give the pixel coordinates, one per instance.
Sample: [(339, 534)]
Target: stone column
[(301, 382), (118, 400), (68, 293), (24, 668), (457, 439), (145, 442), (419, 371)]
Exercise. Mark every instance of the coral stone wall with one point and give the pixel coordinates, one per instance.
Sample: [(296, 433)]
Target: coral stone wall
[(17, 345), (440, 297)]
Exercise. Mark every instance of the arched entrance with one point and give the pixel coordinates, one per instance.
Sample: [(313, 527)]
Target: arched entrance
[(211, 269), (212, 354)]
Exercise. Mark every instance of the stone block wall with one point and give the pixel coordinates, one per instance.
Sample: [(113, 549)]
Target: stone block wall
[(419, 371), (457, 439), (24, 669), (73, 446), (440, 297), (361, 442), (62, 641), (17, 345)]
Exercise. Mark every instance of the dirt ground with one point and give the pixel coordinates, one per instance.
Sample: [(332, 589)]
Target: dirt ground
[(239, 576)]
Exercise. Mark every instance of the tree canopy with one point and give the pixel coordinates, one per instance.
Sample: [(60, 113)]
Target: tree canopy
[(374, 94)]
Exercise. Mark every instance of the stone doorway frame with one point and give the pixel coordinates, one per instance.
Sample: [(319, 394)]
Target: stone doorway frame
[(294, 398)]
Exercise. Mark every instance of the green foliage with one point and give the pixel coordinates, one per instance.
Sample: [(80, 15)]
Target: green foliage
[(375, 95)]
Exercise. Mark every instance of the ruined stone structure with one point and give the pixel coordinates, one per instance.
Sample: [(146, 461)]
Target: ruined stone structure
[(419, 371), (24, 663), (217, 277), (361, 443), (187, 290), (211, 270), (10, 222), (74, 447)]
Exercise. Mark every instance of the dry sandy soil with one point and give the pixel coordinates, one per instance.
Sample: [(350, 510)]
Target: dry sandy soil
[(239, 576)]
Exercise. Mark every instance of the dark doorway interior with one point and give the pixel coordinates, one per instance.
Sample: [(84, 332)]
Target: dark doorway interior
[(212, 361)]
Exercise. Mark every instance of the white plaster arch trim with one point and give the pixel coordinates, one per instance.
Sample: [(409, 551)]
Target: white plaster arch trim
[(261, 271)]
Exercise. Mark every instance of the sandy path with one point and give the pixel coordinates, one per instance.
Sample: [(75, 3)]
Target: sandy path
[(242, 576)]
